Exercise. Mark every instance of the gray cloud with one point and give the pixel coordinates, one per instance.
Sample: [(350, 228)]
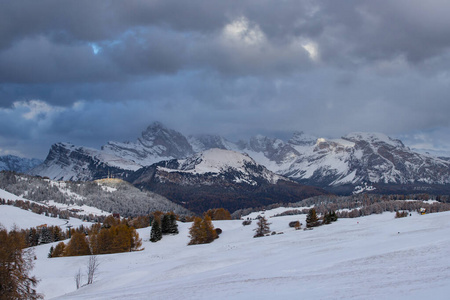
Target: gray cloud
[(103, 70)]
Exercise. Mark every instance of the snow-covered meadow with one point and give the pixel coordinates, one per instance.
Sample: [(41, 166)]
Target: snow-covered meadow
[(373, 257)]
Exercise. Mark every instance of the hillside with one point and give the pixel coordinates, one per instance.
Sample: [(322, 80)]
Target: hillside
[(13, 216), (108, 195), (374, 257)]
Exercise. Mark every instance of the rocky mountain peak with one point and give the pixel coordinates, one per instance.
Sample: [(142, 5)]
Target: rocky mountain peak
[(202, 142), (168, 141), (300, 138), (373, 138)]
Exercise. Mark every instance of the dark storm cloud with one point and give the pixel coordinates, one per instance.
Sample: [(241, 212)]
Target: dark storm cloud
[(90, 71)]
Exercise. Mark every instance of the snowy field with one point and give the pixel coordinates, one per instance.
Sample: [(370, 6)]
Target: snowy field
[(373, 257), (14, 216)]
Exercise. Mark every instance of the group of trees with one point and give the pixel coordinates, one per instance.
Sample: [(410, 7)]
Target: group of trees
[(312, 220), (112, 237), (43, 235), (162, 226), (15, 266), (219, 214), (358, 205)]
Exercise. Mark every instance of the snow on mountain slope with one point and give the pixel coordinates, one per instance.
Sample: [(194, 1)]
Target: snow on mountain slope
[(156, 143), (373, 257), (8, 196), (351, 160), (204, 142), (69, 162), (10, 215), (18, 164), (220, 161)]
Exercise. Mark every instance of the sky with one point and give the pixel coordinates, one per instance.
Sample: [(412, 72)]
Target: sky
[(87, 72)]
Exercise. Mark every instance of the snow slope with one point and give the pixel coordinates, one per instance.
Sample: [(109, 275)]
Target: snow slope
[(373, 257), (23, 219), (10, 215)]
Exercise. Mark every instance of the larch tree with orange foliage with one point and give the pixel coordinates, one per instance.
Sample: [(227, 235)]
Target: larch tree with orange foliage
[(202, 231)]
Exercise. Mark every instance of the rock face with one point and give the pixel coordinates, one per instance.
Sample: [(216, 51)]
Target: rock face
[(156, 143), (219, 178), (350, 161), (69, 162), (18, 164)]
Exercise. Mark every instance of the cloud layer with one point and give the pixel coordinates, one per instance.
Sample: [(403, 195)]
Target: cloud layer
[(91, 71)]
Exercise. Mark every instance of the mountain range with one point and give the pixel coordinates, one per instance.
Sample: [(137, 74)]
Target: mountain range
[(335, 164), (219, 178)]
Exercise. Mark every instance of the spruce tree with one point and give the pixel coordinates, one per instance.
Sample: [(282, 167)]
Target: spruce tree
[(165, 224), (311, 218), (50, 252), (173, 226), (45, 236), (155, 233)]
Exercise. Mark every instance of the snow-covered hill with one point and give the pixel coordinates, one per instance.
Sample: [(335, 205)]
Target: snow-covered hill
[(99, 197), (373, 257), (14, 216)]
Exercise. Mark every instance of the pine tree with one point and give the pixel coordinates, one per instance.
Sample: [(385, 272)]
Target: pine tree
[(155, 233), (173, 226), (165, 224), (311, 218), (33, 237), (45, 236), (333, 216), (50, 252), (262, 227)]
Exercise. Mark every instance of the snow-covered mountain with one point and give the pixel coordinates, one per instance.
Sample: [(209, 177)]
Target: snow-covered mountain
[(365, 157), (219, 178), (219, 164), (69, 162), (18, 164), (348, 161), (156, 143)]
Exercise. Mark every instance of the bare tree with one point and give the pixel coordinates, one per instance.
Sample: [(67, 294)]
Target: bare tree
[(78, 279), (92, 268)]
